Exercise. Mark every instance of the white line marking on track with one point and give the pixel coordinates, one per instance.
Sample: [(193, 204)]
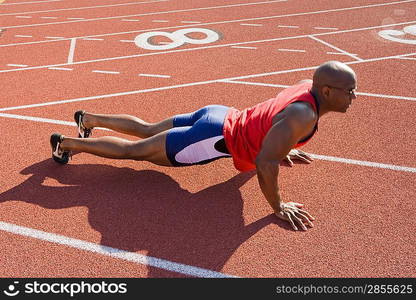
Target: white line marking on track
[(49, 18), (105, 72), (62, 69), (71, 51), (191, 22), (130, 20), (16, 65), (79, 8), (111, 252), (326, 28), (32, 2), (127, 41), (255, 25), (92, 39), (407, 58), (244, 47), (315, 156), (23, 36), (160, 21), (55, 37), (287, 26), (339, 53), (334, 47), (157, 13), (285, 86), (291, 50), (155, 75)]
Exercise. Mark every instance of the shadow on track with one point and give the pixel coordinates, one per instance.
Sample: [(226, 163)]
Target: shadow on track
[(148, 210)]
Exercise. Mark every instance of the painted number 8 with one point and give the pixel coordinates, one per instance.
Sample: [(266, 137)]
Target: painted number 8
[(178, 38)]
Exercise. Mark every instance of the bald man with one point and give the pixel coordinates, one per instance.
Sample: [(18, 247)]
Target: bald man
[(257, 138)]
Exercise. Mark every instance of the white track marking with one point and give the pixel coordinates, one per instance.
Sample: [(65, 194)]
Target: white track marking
[(80, 8), (315, 156), (160, 21), (154, 13), (339, 53), (154, 75), (23, 36), (286, 86), (62, 69), (55, 37), (364, 163), (191, 22), (105, 72), (92, 39), (111, 252), (71, 51), (76, 18), (255, 25), (201, 48), (191, 84), (127, 41), (407, 58), (130, 20), (16, 65), (32, 2), (287, 26), (24, 17), (334, 47), (49, 18), (291, 50), (244, 47), (326, 28)]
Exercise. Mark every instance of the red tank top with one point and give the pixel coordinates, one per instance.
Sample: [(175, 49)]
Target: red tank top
[(245, 130)]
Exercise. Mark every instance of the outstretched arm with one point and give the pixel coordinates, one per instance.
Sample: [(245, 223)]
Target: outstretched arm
[(295, 122)]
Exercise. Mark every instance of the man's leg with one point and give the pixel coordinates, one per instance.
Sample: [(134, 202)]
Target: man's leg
[(152, 149), (126, 124)]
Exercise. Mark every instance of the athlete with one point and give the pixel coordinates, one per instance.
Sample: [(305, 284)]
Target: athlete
[(259, 138)]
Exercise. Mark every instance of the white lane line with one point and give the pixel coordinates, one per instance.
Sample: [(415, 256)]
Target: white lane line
[(55, 37), (255, 25), (364, 163), (292, 50), (105, 72), (407, 58), (326, 28), (334, 47), (62, 69), (71, 51), (52, 18), (127, 41), (194, 84), (339, 53), (233, 21), (244, 47), (32, 2), (130, 20), (287, 26), (92, 39), (140, 259), (154, 75), (159, 13), (160, 21), (285, 86), (79, 8), (315, 156), (191, 22), (23, 36), (16, 65)]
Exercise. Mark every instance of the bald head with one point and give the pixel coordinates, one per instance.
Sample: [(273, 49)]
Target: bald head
[(333, 73)]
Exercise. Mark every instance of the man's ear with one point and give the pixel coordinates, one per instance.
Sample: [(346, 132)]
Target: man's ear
[(325, 91)]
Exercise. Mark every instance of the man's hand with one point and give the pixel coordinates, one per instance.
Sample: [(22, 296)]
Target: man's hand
[(296, 154), (291, 212)]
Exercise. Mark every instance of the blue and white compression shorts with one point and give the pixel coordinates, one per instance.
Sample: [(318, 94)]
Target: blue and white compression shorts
[(197, 138)]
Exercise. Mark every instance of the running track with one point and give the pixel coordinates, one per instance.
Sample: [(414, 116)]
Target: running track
[(104, 218)]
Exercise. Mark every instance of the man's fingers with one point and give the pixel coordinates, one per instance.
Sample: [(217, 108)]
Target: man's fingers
[(305, 219), (291, 221), (307, 214), (289, 161), (299, 221)]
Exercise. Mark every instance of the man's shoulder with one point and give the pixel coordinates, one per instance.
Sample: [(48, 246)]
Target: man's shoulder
[(301, 111)]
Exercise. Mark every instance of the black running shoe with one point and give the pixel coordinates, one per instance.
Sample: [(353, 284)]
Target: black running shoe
[(82, 131), (59, 155)]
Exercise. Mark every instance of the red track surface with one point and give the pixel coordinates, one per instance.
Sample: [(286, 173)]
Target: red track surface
[(210, 217)]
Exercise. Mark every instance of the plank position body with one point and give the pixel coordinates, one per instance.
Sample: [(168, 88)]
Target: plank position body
[(259, 138)]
